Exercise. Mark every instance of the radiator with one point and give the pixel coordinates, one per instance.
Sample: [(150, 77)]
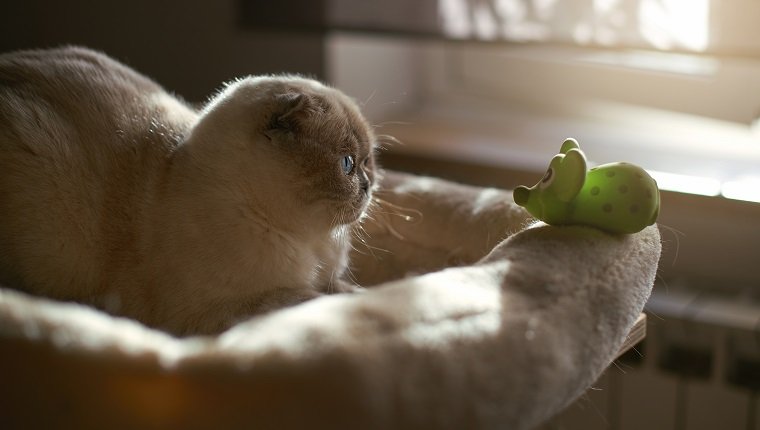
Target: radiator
[(698, 368)]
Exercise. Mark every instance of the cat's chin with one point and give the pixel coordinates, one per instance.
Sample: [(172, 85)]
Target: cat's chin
[(353, 211), (348, 216)]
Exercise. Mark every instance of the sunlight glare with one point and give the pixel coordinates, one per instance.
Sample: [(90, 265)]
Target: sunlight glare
[(668, 24), (454, 18), (604, 6), (486, 26), (661, 24), (747, 189), (544, 9), (688, 184)]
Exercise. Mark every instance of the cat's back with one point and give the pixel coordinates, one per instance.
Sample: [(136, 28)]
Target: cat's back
[(80, 135), (47, 96)]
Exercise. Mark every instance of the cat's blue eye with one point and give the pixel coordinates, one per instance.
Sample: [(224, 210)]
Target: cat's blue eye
[(347, 164)]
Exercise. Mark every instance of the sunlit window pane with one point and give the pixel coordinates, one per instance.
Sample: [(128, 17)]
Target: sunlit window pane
[(660, 24)]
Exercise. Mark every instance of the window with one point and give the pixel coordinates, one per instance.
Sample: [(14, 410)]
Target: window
[(658, 24), (671, 85)]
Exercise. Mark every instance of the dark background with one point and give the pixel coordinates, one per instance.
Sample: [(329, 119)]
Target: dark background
[(192, 47), (189, 47)]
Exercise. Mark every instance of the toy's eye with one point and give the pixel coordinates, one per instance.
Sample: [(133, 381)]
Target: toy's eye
[(547, 179), (347, 164)]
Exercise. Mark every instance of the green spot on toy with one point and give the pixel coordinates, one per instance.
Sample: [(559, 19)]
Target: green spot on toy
[(615, 197)]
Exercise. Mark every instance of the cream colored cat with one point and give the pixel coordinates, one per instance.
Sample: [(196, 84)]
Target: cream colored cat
[(117, 194)]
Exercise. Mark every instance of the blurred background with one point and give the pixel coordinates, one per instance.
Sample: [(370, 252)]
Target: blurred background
[(484, 92)]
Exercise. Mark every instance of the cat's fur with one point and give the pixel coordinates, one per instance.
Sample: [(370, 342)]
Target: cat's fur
[(117, 194)]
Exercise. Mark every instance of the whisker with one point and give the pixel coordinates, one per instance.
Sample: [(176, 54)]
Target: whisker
[(387, 139), (676, 234), (619, 367), (401, 209), (369, 98), (360, 233), (411, 195)]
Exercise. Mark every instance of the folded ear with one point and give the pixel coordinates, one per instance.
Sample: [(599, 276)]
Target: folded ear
[(291, 109), (571, 174)]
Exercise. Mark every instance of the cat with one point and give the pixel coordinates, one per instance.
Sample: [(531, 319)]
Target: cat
[(117, 194)]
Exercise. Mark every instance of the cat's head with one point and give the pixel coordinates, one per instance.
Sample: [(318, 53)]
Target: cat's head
[(297, 148)]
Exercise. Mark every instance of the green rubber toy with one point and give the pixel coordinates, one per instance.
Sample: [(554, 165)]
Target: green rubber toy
[(614, 197)]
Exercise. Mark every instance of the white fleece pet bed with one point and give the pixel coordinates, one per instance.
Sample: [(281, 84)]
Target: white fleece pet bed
[(515, 333)]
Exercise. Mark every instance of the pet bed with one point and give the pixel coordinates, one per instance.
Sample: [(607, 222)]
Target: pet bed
[(479, 319)]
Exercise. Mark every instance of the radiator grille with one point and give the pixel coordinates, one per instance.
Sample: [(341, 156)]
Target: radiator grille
[(698, 368)]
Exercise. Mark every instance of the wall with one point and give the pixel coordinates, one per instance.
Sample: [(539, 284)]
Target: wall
[(189, 47)]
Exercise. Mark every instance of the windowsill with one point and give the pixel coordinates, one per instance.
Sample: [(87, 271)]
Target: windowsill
[(525, 138)]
